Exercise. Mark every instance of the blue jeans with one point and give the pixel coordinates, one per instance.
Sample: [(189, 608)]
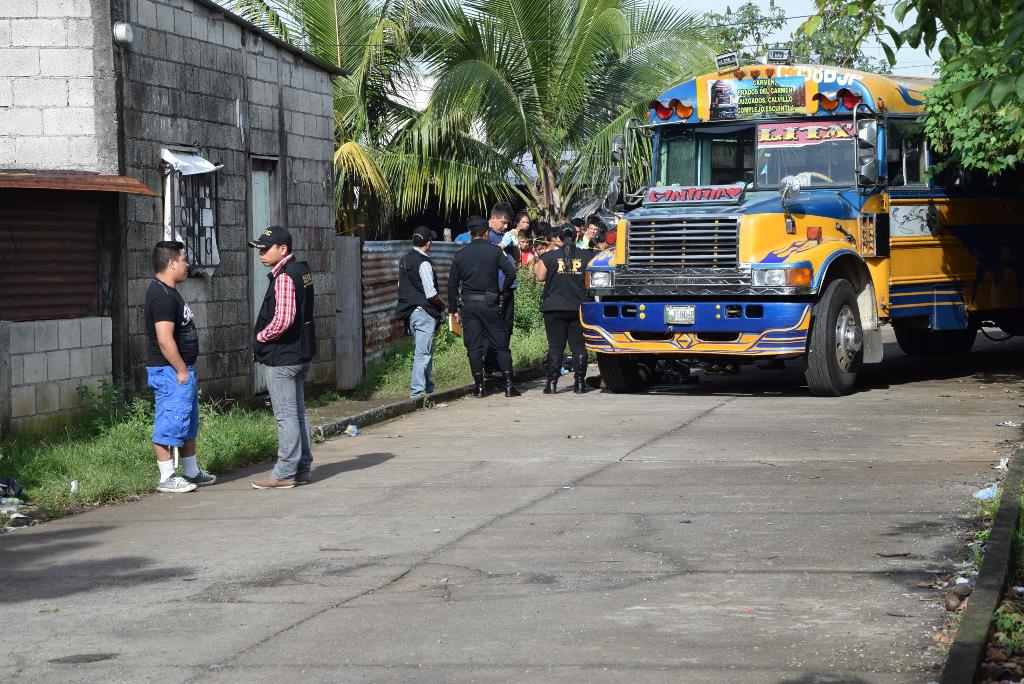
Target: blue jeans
[(176, 419), (286, 385), (422, 325)]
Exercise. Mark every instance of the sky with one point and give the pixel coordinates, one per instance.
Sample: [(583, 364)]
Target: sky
[(909, 62)]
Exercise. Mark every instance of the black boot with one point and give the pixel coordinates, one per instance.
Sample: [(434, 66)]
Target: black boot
[(510, 388), (580, 364), (554, 364), (479, 392)]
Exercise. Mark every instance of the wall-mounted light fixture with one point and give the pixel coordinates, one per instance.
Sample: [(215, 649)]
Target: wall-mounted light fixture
[(123, 33)]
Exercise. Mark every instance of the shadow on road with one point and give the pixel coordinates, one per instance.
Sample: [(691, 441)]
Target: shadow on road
[(34, 565), (995, 362), (328, 470)]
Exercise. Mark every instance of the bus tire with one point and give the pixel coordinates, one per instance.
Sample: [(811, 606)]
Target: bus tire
[(835, 351), (924, 342), (624, 373)]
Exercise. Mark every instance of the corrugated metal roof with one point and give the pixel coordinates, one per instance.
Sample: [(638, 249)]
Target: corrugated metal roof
[(74, 181)]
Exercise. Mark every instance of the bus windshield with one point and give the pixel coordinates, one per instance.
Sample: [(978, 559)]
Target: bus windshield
[(819, 154)]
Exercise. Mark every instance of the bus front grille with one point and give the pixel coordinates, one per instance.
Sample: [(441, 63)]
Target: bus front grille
[(684, 242)]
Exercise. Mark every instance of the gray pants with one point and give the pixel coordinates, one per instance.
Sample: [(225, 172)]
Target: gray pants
[(287, 395)]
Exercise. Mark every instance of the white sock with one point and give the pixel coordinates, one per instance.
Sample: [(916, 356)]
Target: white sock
[(189, 466), (166, 469)]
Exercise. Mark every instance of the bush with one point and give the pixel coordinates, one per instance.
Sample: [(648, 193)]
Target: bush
[(389, 375), (110, 454)]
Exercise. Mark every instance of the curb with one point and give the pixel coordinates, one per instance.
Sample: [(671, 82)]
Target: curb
[(372, 416), (968, 649)]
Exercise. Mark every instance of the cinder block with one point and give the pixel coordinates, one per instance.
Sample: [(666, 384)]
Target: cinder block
[(69, 333), (23, 339), (69, 396), (101, 364), (92, 332), (83, 151), (58, 366), (6, 92), (17, 369), (23, 401), (40, 92), (81, 92), (64, 8), (107, 330), (5, 33), (20, 8), (68, 121), (21, 122), (39, 32), (165, 18), (79, 33), (146, 13), (80, 362), (46, 335), (47, 397), (42, 152), (65, 62)]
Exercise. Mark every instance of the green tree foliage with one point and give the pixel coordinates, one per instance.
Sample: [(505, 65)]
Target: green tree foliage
[(368, 39), (833, 37), (747, 29), (529, 92), (526, 93), (975, 106)]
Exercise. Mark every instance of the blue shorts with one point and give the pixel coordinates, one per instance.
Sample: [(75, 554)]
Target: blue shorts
[(177, 406)]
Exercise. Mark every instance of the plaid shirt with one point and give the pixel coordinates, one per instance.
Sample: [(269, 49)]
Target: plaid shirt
[(284, 312)]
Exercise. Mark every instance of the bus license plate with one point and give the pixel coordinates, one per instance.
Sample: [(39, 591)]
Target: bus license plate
[(680, 315)]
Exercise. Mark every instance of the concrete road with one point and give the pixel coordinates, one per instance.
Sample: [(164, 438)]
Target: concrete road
[(739, 531)]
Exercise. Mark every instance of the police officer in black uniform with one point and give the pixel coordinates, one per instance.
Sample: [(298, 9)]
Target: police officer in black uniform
[(473, 283), (562, 270)]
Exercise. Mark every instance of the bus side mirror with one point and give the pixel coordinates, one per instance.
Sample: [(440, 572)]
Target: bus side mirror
[(617, 142), (612, 198), (867, 169)]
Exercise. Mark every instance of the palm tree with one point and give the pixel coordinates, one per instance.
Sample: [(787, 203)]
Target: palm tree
[(529, 92), (366, 38)]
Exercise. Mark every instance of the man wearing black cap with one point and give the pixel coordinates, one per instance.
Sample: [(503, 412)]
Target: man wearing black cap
[(285, 344), (473, 279), (420, 308)]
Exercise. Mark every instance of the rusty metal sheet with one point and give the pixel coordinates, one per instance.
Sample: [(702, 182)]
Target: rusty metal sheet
[(73, 181), (380, 289), (51, 266)]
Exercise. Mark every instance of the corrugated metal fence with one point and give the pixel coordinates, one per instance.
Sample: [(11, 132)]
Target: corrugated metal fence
[(380, 289)]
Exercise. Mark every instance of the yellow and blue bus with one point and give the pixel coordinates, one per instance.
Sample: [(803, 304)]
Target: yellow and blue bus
[(791, 213)]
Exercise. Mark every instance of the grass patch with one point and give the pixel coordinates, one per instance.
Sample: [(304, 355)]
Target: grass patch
[(110, 456), (389, 375)]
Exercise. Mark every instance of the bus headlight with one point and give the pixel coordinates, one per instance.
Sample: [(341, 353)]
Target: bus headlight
[(782, 277), (601, 279)]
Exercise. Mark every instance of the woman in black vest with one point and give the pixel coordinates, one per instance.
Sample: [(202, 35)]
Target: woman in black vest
[(561, 270)]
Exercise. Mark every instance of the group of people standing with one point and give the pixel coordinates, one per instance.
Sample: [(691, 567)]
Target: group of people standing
[(482, 284)]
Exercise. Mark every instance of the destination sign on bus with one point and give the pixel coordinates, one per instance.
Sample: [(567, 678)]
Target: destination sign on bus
[(793, 134), (748, 98)]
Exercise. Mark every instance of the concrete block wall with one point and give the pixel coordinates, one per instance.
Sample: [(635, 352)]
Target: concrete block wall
[(49, 86), (49, 360), (197, 80)]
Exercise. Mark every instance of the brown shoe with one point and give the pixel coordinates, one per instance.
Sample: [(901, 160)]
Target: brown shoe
[(303, 479), (269, 482)]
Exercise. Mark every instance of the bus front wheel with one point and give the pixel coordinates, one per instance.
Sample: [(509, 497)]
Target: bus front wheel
[(624, 373), (835, 351)]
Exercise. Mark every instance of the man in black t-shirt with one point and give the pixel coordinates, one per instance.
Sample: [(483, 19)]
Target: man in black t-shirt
[(172, 350)]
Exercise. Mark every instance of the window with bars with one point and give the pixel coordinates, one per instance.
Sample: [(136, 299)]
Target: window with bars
[(190, 208)]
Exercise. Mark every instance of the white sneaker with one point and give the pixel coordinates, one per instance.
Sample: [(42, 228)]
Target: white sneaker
[(175, 485)]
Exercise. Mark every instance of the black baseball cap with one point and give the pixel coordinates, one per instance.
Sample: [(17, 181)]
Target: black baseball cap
[(423, 235), (477, 224), (274, 235)]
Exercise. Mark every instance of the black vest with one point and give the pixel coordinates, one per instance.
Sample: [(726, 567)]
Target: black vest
[(298, 343), (410, 286)]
